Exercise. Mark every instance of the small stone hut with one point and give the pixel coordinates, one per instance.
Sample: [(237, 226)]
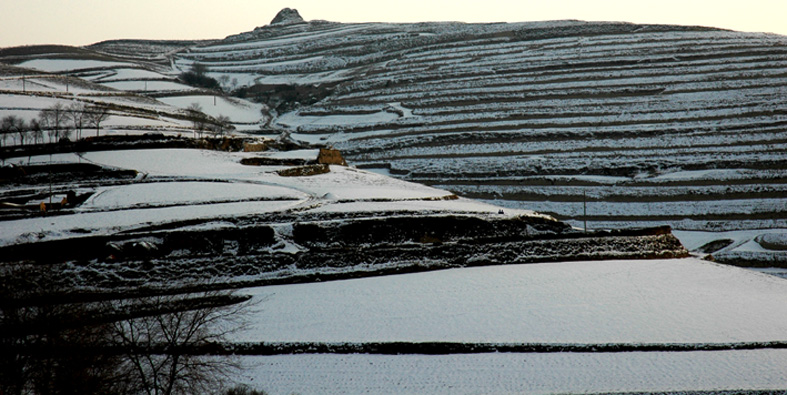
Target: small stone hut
[(330, 156)]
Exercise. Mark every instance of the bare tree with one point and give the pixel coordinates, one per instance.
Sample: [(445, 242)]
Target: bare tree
[(20, 128), (96, 115), (5, 127), (36, 132), (76, 114), (173, 370), (13, 124), (223, 125), (198, 118), (53, 119), (225, 81)]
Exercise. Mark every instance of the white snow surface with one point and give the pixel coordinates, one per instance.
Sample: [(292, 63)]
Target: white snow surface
[(181, 184), (179, 193), (175, 162), (238, 110), (294, 119), (343, 182), (109, 222), (55, 65), (699, 174), (516, 373), (646, 301), (744, 244), (141, 85), (120, 74), (695, 239), (459, 205)]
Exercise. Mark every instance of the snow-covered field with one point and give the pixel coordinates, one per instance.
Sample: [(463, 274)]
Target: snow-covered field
[(559, 373), (182, 193), (111, 222), (55, 65), (142, 86), (238, 110), (649, 301), (684, 301), (182, 184)]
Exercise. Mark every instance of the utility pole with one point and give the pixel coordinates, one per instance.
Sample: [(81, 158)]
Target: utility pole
[(585, 209), (50, 180)]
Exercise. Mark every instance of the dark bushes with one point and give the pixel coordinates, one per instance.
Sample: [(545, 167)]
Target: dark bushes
[(202, 81)]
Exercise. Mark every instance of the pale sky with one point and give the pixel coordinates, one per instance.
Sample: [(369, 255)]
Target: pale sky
[(83, 22)]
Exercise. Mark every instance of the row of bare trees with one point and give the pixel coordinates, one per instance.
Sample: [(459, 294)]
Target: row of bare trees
[(201, 123), (57, 121)]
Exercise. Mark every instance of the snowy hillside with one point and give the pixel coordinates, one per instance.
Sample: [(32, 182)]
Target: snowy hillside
[(255, 217), (649, 124), (450, 255), (141, 96)]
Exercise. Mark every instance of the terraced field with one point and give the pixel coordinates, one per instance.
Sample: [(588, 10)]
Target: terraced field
[(603, 125), (647, 124), (125, 76)]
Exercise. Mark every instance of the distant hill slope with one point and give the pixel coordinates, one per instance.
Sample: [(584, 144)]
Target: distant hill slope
[(649, 123), (150, 50), (133, 78)]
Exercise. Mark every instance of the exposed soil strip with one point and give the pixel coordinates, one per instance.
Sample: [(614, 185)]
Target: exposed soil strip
[(397, 348), (653, 196), (445, 348)]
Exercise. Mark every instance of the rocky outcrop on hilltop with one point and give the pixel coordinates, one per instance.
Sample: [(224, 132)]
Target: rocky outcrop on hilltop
[(287, 16)]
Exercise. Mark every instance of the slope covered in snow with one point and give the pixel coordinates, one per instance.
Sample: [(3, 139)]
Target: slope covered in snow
[(648, 123), (142, 96), (179, 217)]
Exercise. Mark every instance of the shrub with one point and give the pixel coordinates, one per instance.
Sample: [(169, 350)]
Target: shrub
[(244, 390), (202, 81)]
